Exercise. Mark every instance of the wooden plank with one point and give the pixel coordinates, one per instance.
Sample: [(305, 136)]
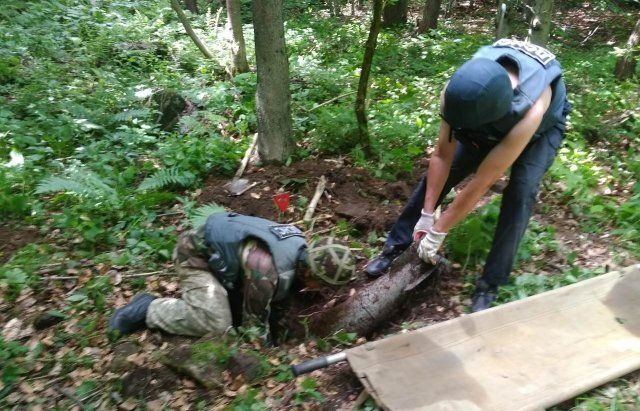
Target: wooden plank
[(526, 355)]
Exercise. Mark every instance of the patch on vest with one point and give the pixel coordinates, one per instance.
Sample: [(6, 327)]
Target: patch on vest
[(540, 54), (283, 231)]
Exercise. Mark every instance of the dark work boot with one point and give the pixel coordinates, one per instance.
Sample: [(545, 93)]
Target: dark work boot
[(484, 295), (379, 265), (132, 317)]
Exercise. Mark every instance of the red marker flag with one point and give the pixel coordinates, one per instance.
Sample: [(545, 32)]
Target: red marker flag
[(282, 201)]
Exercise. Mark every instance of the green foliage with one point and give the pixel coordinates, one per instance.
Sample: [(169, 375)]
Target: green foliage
[(526, 285), (21, 271), (337, 130), (70, 361), (166, 177), (86, 387), (198, 216), (75, 106), (470, 240), (82, 183), (369, 405), (218, 351), (9, 69), (344, 338), (11, 353), (249, 401), (538, 240), (92, 295), (308, 392), (14, 201)]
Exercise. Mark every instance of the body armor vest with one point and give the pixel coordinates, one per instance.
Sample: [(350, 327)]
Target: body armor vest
[(537, 69), (225, 234)]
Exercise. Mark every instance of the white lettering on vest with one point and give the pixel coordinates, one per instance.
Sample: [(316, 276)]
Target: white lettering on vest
[(540, 54), (282, 231)]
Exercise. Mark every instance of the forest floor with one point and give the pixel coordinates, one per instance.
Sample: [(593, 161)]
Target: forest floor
[(354, 206)]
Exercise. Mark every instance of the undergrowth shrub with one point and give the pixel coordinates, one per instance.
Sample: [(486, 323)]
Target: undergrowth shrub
[(526, 285), (470, 240), (336, 130)]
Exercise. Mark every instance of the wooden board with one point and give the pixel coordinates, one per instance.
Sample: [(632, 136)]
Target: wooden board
[(526, 355)]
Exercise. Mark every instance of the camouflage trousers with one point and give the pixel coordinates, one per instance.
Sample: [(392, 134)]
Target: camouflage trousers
[(204, 306)]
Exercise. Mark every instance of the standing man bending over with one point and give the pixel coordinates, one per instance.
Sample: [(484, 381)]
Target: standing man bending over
[(505, 107)]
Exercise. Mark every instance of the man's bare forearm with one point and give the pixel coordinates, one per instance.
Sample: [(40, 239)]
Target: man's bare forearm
[(439, 167), (436, 178), (463, 204)]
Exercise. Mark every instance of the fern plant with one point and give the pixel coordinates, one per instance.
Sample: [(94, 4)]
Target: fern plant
[(167, 177), (198, 216), (81, 183)]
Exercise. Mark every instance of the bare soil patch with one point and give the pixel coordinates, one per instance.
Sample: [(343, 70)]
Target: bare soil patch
[(352, 194), (12, 239)]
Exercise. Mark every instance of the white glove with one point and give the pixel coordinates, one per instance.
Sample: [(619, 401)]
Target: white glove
[(424, 223), (429, 245)]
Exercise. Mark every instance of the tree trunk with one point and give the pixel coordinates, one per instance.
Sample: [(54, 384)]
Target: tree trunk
[(506, 14), (187, 26), (540, 22), (395, 14), (429, 16), (363, 84), (238, 49), (626, 64), (192, 6), (273, 107), (373, 304)]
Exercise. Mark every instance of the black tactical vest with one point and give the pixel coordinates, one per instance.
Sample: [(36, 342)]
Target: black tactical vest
[(537, 69), (225, 233)]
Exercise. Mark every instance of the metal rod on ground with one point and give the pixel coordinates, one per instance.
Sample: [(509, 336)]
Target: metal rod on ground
[(314, 201), (318, 363)]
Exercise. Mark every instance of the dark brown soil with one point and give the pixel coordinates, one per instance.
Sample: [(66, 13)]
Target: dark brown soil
[(352, 194), (12, 239), (148, 383)]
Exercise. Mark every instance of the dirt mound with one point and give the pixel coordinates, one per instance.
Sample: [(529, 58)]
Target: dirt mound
[(352, 194), (12, 239)]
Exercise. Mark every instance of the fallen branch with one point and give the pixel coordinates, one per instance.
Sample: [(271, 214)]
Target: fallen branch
[(323, 231), (332, 100), (589, 36), (247, 156), (320, 218), (314, 201), (170, 213), (135, 275), (147, 274)]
